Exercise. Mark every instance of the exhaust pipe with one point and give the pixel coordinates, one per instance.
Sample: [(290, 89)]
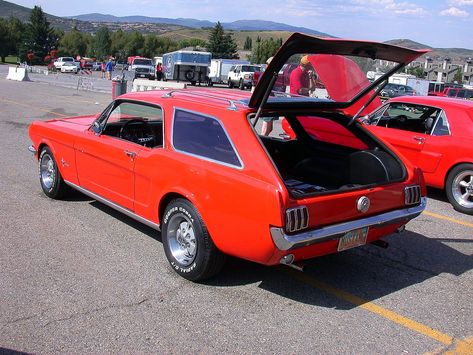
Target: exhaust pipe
[(288, 260), (380, 243)]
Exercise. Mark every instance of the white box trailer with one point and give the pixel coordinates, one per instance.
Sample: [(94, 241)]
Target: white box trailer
[(184, 65), (421, 86), (219, 69)]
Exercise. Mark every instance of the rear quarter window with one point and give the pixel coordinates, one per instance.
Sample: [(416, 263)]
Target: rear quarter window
[(204, 137)]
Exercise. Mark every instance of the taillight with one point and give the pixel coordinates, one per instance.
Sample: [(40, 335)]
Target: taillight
[(296, 219), (412, 195)]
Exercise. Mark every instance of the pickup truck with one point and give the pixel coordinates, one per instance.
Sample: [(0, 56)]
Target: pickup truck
[(142, 67), (241, 75)]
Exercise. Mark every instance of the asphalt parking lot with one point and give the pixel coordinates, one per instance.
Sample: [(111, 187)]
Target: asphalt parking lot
[(78, 277)]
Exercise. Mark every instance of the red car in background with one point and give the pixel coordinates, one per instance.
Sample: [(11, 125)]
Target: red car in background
[(436, 134)]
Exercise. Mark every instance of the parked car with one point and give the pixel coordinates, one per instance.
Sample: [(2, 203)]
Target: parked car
[(190, 163), (69, 67), (97, 66), (58, 63), (436, 134), (394, 90)]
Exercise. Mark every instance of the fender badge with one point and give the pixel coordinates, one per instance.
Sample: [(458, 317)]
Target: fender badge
[(363, 204)]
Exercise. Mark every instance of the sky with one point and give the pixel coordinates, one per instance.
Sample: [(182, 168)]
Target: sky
[(436, 23)]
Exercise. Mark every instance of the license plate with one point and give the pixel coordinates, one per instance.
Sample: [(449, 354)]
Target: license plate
[(353, 239), (142, 75)]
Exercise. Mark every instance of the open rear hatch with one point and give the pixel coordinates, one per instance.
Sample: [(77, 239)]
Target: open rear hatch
[(328, 161)]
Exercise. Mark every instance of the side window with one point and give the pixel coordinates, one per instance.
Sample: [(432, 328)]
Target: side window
[(441, 128), (138, 123), (408, 117), (203, 136)]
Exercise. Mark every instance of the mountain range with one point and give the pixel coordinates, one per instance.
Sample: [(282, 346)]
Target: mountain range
[(186, 27), (240, 25)]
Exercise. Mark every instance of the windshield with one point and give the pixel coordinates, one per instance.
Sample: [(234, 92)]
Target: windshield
[(142, 62), (250, 68)]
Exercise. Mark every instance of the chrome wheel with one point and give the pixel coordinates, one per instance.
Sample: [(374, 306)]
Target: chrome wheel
[(47, 171), (182, 240), (462, 188)]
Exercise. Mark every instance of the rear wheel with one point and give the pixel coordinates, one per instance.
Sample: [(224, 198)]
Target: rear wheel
[(230, 84), (187, 243), (459, 188), (50, 178)]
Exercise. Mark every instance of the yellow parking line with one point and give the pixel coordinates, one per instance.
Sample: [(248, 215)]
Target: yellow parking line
[(460, 347), (371, 307), (35, 107), (439, 216)]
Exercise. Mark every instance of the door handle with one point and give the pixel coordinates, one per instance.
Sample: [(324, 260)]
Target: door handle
[(131, 154), (419, 139)]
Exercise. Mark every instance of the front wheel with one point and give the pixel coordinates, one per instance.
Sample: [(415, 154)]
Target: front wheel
[(459, 188), (230, 84), (49, 176), (187, 243)]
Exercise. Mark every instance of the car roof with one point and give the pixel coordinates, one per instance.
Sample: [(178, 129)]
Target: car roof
[(217, 98), (434, 100)]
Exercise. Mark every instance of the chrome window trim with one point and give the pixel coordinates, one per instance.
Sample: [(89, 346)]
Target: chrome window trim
[(436, 122), (241, 167), (285, 242), (113, 205)]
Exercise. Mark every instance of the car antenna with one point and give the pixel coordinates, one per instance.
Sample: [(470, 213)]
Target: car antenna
[(378, 90), (265, 97)]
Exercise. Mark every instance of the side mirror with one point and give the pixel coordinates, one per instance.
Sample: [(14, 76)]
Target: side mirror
[(96, 127)]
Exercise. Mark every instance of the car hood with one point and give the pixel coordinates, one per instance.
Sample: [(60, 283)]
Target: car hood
[(342, 76)]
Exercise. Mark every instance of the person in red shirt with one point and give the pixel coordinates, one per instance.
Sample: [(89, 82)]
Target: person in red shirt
[(302, 79)]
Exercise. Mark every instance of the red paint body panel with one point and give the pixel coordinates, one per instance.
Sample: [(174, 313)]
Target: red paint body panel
[(436, 155)]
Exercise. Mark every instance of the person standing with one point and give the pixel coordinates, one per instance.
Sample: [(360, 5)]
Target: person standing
[(109, 68), (159, 71), (302, 79), (102, 69)]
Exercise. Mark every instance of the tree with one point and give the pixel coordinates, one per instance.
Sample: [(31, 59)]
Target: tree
[(11, 35), (4, 39), (134, 43), (73, 43), (417, 71), (221, 44), (264, 49), (248, 43), (101, 43), (458, 78), (39, 36)]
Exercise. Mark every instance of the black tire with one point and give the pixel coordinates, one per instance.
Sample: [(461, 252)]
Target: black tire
[(241, 85), (230, 84), (187, 243), (189, 75), (459, 188), (50, 178)]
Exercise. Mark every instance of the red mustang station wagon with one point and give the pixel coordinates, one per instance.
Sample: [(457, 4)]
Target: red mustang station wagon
[(191, 164)]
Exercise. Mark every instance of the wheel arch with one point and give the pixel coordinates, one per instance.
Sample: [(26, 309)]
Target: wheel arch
[(447, 173), (165, 200)]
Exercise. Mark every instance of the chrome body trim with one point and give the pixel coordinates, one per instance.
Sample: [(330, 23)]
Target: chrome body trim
[(32, 149), (284, 241), (113, 205)]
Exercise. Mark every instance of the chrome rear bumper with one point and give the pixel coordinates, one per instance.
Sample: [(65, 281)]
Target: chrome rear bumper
[(284, 241)]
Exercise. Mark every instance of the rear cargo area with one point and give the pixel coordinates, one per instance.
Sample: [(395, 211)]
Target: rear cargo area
[(316, 162)]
